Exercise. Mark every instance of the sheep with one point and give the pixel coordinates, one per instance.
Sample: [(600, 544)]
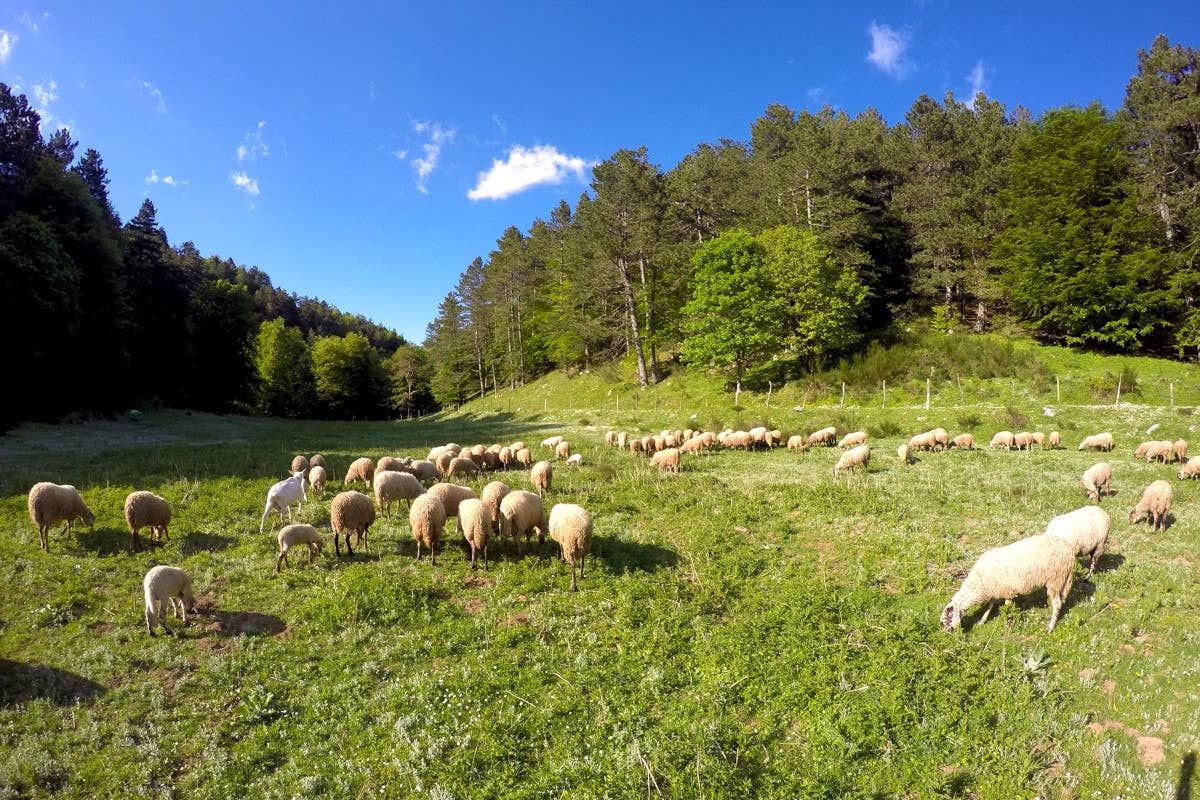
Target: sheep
[(516, 446), (461, 467), (506, 457), (392, 487), (317, 478), (317, 460), (1155, 502), (491, 461), (552, 441), (524, 458), (1003, 573), (741, 439), (853, 439), (1159, 451), (571, 526), (451, 494), (294, 535), (610, 438), (648, 444), (427, 518), (903, 454), (963, 441), (941, 439), (575, 460), (774, 438), (540, 476), (363, 469), (281, 495), (444, 461), (390, 464), (923, 441), (50, 503), (477, 526), (146, 510), (434, 453), (165, 585), (351, 512), (795, 443), (1023, 441), (635, 446), (491, 496), (1099, 441), (299, 464), (622, 439), (562, 450), (1053, 440), (1141, 450), (758, 435), (1039, 439), (666, 460), (520, 515), (659, 443), (1191, 469), (1002, 440), (825, 436), (1096, 480), (424, 471), (1085, 529), (1179, 450), (853, 458)]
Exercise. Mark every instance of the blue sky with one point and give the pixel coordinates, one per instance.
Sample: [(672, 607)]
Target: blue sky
[(348, 150)]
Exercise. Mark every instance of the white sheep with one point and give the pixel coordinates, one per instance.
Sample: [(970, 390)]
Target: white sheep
[(964, 441), (1085, 529), (146, 510), (450, 495), (562, 450), (853, 439), (491, 496), (317, 478), (666, 460), (825, 436), (1002, 440), (1159, 451), (1096, 480), (424, 471), (1004, 573), (575, 460), (1023, 440), (520, 515), (50, 503), (1054, 440), (852, 458), (571, 526), (281, 496), (392, 487), (1191, 469), (163, 585), (523, 458), (351, 512), (427, 518), (1155, 502), (362, 469), (795, 442), (903, 454), (923, 441), (477, 526), (1099, 441), (294, 535), (1179, 450), (552, 441), (317, 460), (461, 467), (299, 464), (540, 476)]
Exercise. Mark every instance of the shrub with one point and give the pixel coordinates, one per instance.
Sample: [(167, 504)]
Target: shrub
[(1015, 418), (884, 429), (969, 421)]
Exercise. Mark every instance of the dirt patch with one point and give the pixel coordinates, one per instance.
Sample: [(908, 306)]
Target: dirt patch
[(516, 620), (244, 623), (473, 605), (1109, 686), (101, 627), (1150, 749), (214, 645), (478, 582)]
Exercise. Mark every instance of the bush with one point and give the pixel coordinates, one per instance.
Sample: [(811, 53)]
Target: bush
[(1015, 418), (884, 429), (969, 421), (1103, 388)]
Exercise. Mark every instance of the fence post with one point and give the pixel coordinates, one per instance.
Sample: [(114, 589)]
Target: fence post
[(545, 404), (927, 394), (885, 394), (1118, 392), (770, 388), (958, 380), (843, 394), (1057, 391), (737, 392), (1172, 394)]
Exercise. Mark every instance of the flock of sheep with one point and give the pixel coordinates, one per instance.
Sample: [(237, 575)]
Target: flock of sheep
[(1046, 560)]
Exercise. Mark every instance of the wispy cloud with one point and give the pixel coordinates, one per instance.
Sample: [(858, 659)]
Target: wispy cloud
[(245, 183), (500, 124), (371, 91), (888, 47), (153, 178), (43, 96), (156, 93), (978, 79), (432, 149), (254, 145), (525, 168), (31, 22), (7, 42)]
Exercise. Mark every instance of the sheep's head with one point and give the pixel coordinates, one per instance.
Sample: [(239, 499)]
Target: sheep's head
[(1137, 514), (88, 517), (951, 617)]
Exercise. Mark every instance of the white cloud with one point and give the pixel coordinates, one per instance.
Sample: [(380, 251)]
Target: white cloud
[(154, 92), (400, 154), (524, 169), (245, 183), (43, 96), (168, 180), (425, 166), (31, 22), (7, 40), (254, 145), (887, 50), (978, 79)]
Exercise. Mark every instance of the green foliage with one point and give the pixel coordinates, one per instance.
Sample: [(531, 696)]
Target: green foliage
[(284, 367), (350, 380)]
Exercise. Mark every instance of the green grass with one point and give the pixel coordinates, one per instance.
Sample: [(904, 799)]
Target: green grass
[(748, 628)]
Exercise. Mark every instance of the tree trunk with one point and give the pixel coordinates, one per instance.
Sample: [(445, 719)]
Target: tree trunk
[(652, 367), (631, 310), (808, 197), (520, 345)]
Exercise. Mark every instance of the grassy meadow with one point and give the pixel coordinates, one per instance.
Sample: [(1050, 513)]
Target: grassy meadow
[(747, 628)]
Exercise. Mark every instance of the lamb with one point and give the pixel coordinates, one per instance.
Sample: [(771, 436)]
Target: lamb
[(281, 495), (552, 441), (540, 476), (571, 526), (825, 436), (1085, 529), (451, 494), (317, 460), (1003, 440), (146, 510), (1179, 450), (317, 478), (1096, 480), (521, 514), (294, 535), (1023, 441), (562, 450), (853, 458), (392, 487), (622, 438), (1191, 469), (424, 471), (363, 469), (427, 518), (477, 525), (1053, 440), (1003, 573), (524, 458), (165, 585), (575, 460), (903, 454), (795, 443), (1155, 502), (1159, 451), (964, 441), (461, 467), (1099, 441), (666, 460), (299, 464), (491, 496), (50, 503), (351, 512), (853, 439)]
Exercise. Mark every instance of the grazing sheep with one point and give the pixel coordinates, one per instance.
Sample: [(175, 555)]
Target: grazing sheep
[(903, 454), (622, 438), (424, 471), (299, 464), (477, 524), (635, 446), (165, 585), (461, 467), (666, 460), (520, 515), (50, 503), (1085, 529), (427, 518), (146, 510), (610, 438), (390, 464), (853, 439), (552, 441), (392, 487), (281, 495), (648, 444), (363, 469), (758, 435), (853, 458), (774, 438), (1096, 480), (1141, 450), (1054, 440), (1179, 450), (317, 460), (1159, 451), (294, 535), (571, 526), (1191, 469), (506, 457), (524, 458), (435, 453), (1155, 502), (491, 496), (941, 439), (964, 441), (1023, 440), (444, 461), (795, 442), (451, 494), (575, 460), (825, 437), (1099, 441), (562, 450), (351, 512), (1003, 440), (317, 478), (923, 441), (491, 461), (1004, 573), (540, 476), (1039, 439), (515, 446)]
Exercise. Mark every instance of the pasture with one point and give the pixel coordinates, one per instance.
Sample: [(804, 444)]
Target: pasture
[(747, 628)]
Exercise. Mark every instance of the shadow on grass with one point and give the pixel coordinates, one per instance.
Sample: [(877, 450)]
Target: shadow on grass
[(242, 623), (1187, 769), (625, 556), (110, 541), (20, 683), (206, 543), (1109, 562)]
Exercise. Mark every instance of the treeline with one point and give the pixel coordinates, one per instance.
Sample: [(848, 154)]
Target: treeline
[(103, 315), (776, 254)]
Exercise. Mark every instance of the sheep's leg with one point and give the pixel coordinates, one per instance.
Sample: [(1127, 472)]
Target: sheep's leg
[(182, 611), (418, 549), (149, 614), (134, 544), (1056, 603), (574, 583), (44, 537), (336, 548), (987, 612), (485, 555), (312, 553), (582, 561), (472, 555), (266, 513), (281, 560)]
